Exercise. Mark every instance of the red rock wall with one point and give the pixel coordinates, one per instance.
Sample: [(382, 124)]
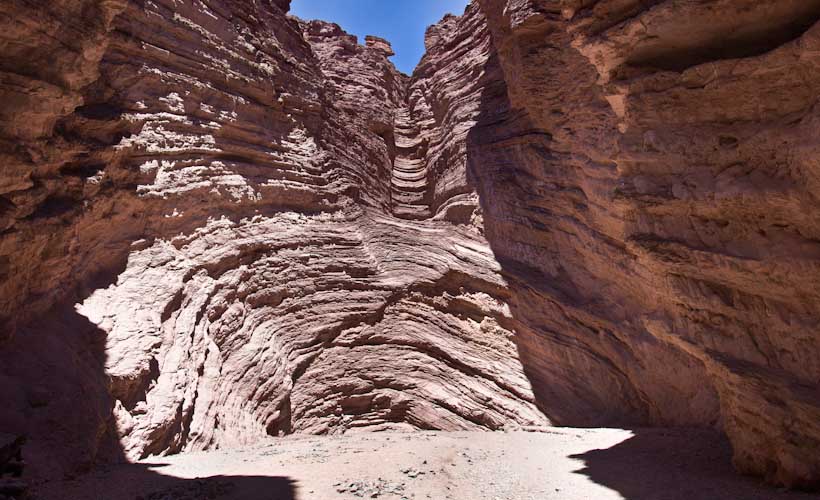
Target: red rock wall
[(231, 261), (652, 188), (219, 223)]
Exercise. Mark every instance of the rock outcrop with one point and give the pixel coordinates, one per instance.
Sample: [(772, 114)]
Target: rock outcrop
[(219, 222)]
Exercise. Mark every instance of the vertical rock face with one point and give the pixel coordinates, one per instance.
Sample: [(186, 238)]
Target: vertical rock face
[(218, 222), (656, 168)]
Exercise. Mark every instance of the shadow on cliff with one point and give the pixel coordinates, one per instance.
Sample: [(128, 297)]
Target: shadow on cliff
[(676, 464), (573, 383), (55, 391), (501, 146), (576, 293)]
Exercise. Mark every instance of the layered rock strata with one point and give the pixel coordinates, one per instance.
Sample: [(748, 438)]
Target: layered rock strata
[(650, 185), (218, 222), (218, 235)]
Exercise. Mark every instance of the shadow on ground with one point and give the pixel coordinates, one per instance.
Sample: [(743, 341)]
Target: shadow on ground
[(675, 464), (144, 482)]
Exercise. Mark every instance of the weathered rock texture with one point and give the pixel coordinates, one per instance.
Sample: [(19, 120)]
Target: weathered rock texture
[(222, 197), (650, 187), (220, 222)]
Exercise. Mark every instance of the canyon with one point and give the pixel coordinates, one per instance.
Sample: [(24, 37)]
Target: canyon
[(220, 223)]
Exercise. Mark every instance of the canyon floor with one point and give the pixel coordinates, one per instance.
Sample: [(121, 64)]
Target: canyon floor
[(557, 463)]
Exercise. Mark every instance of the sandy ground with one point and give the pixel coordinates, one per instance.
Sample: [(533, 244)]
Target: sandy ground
[(565, 464)]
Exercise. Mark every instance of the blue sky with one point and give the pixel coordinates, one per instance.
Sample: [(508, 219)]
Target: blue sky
[(402, 22)]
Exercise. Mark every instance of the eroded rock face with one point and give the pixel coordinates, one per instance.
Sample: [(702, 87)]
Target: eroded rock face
[(239, 258), (661, 183), (220, 223)]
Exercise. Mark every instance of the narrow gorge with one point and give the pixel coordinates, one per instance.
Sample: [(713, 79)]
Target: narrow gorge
[(220, 223)]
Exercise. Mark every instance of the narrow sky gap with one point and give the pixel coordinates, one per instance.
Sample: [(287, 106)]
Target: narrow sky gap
[(402, 22)]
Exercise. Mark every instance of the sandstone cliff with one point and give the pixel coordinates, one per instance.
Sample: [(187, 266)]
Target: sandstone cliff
[(651, 187), (220, 222), (225, 205)]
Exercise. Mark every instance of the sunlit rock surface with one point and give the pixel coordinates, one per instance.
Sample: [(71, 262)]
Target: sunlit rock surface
[(225, 210)]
